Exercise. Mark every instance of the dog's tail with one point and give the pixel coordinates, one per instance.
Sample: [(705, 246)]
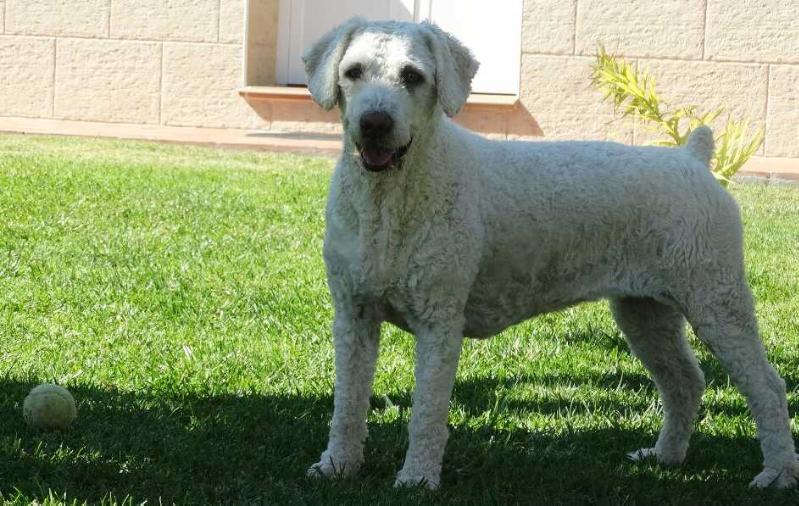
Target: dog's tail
[(700, 144)]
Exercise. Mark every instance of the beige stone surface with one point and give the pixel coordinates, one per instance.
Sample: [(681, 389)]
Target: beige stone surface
[(782, 121), (261, 65), (548, 26), (231, 21), (83, 18), (753, 30), (557, 93), (302, 117), (105, 80), (26, 76), (230, 137), (262, 42), (2, 16), (200, 86), (665, 28), (739, 87), (487, 121), (184, 20), (263, 22)]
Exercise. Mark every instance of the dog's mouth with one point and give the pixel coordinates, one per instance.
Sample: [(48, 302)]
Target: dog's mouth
[(375, 158)]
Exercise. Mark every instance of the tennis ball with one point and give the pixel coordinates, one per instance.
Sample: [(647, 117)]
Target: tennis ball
[(49, 407)]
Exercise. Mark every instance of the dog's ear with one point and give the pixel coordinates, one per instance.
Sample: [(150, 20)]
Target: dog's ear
[(455, 68), (322, 60)]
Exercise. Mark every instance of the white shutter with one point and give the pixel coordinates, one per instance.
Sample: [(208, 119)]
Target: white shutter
[(492, 30)]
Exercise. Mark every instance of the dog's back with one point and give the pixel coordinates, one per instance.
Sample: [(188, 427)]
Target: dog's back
[(565, 222)]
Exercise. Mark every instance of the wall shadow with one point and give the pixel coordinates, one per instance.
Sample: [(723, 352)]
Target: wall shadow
[(304, 117), (505, 122)]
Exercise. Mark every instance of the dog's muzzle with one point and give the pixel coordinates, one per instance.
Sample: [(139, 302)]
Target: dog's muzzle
[(375, 129), (376, 158)]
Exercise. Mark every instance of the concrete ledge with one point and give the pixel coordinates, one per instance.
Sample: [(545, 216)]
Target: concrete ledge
[(266, 93), (758, 169), (771, 165), (259, 93), (223, 137)]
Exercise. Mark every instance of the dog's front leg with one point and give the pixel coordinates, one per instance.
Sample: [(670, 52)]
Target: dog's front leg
[(437, 353), (356, 337)]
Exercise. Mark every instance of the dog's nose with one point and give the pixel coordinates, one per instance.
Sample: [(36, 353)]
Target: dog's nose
[(376, 124)]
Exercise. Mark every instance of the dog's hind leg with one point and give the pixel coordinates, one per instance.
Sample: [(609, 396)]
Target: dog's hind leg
[(722, 315), (356, 335), (655, 334)]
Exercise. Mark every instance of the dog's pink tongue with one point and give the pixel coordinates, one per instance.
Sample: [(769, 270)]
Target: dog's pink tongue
[(377, 157)]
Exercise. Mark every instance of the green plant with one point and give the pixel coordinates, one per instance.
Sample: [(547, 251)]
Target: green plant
[(633, 93)]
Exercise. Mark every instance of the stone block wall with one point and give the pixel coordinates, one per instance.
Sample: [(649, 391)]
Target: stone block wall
[(154, 62), (181, 62), (741, 54)]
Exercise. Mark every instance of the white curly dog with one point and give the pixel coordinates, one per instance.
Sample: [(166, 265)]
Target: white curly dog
[(447, 234)]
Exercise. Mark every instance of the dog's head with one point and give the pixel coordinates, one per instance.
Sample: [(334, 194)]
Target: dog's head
[(390, 79)]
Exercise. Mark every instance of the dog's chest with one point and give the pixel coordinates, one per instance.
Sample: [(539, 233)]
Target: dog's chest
[(367, 248), (384, 258), (403, 245), (382, 263)]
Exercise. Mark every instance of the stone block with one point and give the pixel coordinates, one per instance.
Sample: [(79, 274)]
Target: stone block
[(656, 28), (105, 80), (184, 20), (81, 18), (548, 26), (753, 30), (26, 76), (557, 93), (231, 21), (782, 119), (200, 86), (738, 87)]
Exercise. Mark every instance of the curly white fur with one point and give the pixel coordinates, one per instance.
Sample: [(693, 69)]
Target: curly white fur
[(462, 236)]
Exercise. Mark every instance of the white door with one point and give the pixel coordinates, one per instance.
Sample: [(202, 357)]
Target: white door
[(492, 30)]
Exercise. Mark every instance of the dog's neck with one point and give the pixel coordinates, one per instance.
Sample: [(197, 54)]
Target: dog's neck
[(385, 208)]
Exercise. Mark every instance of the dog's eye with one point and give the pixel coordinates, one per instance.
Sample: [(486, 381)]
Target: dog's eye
[(354, 72), (411, 77)]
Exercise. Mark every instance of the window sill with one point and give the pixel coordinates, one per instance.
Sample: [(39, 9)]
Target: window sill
[(300, 93), (263, 93)]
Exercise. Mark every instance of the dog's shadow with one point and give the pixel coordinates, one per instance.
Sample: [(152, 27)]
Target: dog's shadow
[(255, 448), (478, 395)]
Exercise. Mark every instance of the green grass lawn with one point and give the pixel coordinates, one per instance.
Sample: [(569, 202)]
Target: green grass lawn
[(180, 294)]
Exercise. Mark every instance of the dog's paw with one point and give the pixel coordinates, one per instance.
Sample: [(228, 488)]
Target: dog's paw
[(417, 479), (770, 477), (329, 467), (663, 458), (641, 454)]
